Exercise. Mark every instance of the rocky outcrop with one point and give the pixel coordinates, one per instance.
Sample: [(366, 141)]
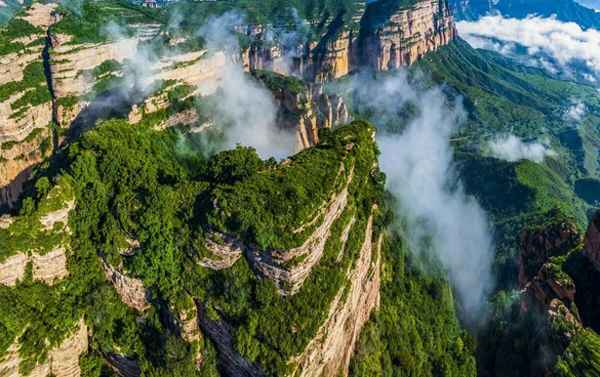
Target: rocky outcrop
[(538, 245), (290, 268), (48, 268), (224, 251), (379, 36), (308, 111), (406, 36), (189, 328), (544, 285), (123, 365), (25, 105), (60, 216), (329, 352), (62, 361), (51, 266), (71, 68), (131, 290), (12, 269), (231, 362)]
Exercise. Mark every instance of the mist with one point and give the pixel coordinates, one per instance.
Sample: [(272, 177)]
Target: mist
[(418, 162), (511, 148), (245, 109)]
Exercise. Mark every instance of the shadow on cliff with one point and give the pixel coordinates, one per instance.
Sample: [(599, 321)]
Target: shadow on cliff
[(114, 103), (11, 193)]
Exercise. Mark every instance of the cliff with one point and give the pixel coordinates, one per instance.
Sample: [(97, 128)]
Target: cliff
[(382, 35), (62, 361), (25, 99), (406, 36), (304, 107), (40, 239)]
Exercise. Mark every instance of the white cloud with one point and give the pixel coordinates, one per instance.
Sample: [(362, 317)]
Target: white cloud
[(418, 163), (511, 148), (576, 112), (565, 43), (244, 107)]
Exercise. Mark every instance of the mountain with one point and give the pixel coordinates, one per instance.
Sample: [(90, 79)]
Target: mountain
[(140, 237), (564, 10), (130, 248), (532, 205)]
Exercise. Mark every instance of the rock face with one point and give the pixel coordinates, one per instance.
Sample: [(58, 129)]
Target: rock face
[(49, 263), (308, 111), (290, 268), (62, 361), (132, 291), (225, 251), (48, 268), (71, 68), (232, 363), (25, 105), (543, 283), (381, 37), (406, 36), (329, 352), (123, 366)]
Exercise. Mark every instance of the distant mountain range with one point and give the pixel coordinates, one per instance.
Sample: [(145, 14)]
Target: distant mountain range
[(564, 10)]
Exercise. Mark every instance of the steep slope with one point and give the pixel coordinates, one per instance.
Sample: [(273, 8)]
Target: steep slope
[(25, 99), (303, 239)]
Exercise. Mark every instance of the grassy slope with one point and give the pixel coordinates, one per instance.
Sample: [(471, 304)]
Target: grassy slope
[(501, 96)]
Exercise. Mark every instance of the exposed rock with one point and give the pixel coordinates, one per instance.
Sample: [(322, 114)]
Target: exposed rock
[(19, 118), (231, 362), (407, 35), (41, 15), (592, 241), (6, 221), (12, 269), (59, 216), (225, 251), (190, 330), (330, 351), (69, 64), (132, 291), (62, 361), (49, 267), (344, 238), (309, 111), (130, 249), (280, 265), (400, 39), (539, 245), (123, 365)]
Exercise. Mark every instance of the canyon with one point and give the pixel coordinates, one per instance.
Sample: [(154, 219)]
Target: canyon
[(70, 76)]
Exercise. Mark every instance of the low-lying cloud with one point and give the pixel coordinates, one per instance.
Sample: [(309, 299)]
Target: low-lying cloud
[(548, 42), (511, 148), (245, 108), (418, 162)]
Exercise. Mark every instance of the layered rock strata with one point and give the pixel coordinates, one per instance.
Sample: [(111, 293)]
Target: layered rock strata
[(131, 290), (62, 361), (290, 268), (407, 35), (330, 351), (25, 106), (232, 363)]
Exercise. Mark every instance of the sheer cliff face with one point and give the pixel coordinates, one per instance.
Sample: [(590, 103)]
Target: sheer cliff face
[(407, 35), (25, 101), (388, 38)]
